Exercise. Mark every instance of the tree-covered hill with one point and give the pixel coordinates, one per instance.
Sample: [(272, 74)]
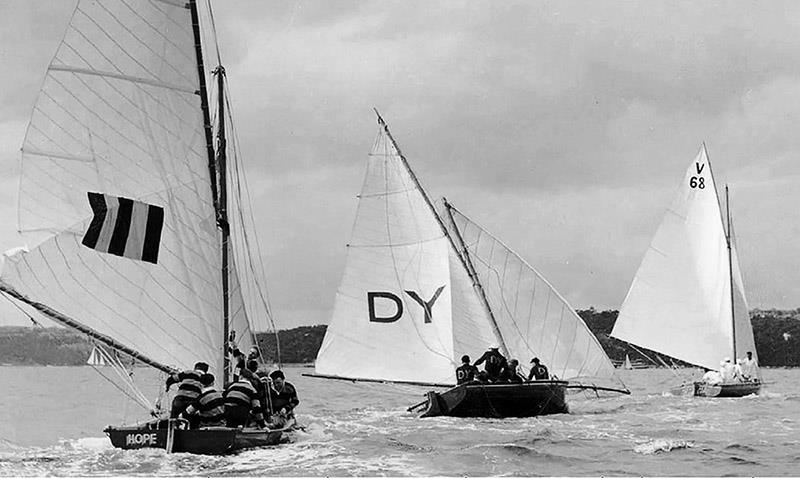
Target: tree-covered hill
[(777, 335)]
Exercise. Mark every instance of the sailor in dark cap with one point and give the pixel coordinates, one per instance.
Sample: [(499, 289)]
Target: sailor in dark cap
[(538, 371)]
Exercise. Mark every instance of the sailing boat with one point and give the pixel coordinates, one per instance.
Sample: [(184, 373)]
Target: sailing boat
[(138, 244), (687, 298), (424, 285), (627, 364)]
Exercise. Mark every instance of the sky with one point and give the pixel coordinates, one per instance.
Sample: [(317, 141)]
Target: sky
[(561, 127)]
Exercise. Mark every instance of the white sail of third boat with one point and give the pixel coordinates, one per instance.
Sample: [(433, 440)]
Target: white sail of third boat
[(679, 303)]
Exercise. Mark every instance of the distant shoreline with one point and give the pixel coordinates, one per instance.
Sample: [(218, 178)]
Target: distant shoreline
[(776, 334)]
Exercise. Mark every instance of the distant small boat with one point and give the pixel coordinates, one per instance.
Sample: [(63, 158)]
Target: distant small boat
[(687, 298), (424, 285), (627, 364)]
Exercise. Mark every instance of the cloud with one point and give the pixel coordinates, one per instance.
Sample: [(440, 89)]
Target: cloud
[(562, 127)]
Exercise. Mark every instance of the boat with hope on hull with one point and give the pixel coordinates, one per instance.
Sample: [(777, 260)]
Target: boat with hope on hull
[(687, 298), (424, 285), (123, 195)]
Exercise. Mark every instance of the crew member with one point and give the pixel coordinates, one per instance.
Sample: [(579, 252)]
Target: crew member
[(466, 372), (538, 370), (510, 373), (712, 377), (241, 401), (495, 362), (209, 407), (189, 387), (260, 385), (283, 396), (726, 370), (241, 364), (749, 368)]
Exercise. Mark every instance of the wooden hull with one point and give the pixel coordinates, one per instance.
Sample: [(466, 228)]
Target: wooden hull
[(729, 390), (528, 399), (202, 441)]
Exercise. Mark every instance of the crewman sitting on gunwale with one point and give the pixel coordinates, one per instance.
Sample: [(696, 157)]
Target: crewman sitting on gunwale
[(189, 387), (209, 405), (466, 372)]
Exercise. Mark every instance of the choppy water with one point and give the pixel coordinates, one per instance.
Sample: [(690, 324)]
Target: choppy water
[(52, 417)]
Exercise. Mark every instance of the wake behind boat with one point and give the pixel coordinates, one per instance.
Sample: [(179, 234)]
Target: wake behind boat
[(424, 285), (687, 298), (124, 190)]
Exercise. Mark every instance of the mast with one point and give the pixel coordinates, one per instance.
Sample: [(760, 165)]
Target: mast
[(216, 159), (222, 217), (730, 268), (475, 282), (203, 92)]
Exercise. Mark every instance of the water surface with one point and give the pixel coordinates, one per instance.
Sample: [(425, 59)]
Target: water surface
[(53, 418)]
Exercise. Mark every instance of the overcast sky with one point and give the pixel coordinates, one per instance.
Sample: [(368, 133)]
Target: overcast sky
[(561, 127)]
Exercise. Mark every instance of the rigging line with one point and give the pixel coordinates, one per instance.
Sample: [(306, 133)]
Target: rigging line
[(122, 390), (261, 288), (133, 392), (214, 31), (15, 304)]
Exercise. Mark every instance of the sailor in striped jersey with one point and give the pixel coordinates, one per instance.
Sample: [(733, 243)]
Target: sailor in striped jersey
[(209, 405), (189, 387), (241, 400)]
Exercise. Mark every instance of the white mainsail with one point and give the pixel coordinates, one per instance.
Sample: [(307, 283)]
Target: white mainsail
[(403, 255), (679, 303), (119, 114), (398, 260)]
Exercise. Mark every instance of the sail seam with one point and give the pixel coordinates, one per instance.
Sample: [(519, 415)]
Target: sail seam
[(52, 154), (387, 193)]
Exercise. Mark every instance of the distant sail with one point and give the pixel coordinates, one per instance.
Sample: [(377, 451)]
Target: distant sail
[(627, 364), (679, 303), (119, 114), (97, 359)]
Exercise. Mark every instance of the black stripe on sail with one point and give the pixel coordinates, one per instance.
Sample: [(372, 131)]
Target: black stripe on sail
[(98, 203), (122, 227), (152, 235)]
